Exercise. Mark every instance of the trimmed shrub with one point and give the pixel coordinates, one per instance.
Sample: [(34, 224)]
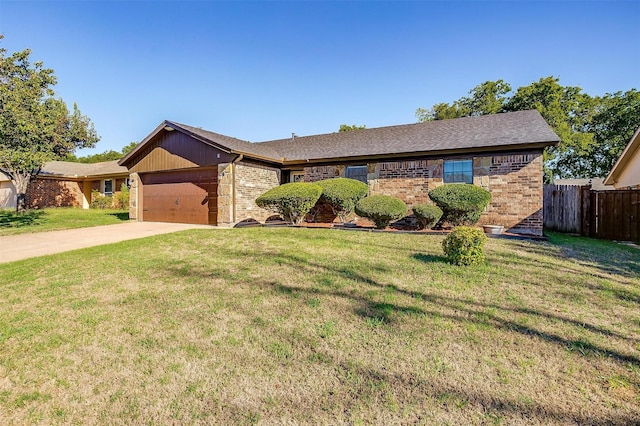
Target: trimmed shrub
[(291, 200), (381, 209), (461, 204), (427, 215), (464, 246), (342, 194)]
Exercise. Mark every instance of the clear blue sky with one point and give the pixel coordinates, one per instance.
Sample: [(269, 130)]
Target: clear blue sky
[(262, 70)]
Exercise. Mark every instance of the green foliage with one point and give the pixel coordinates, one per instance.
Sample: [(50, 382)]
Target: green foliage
[(593, 129), (347, 128), (381, 209), (291, 200), (99, 201), (464, 246), (121, 199), (35, 127), (109, 155), (342, 194), (427, 214), (486, 98), (461, 204)]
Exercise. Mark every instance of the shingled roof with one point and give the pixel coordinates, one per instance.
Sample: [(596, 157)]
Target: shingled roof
[(471, 133), (513, 130), (81, 170)]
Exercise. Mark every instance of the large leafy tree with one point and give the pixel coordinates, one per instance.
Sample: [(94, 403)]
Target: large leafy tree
[(593, 130), (35, 126)]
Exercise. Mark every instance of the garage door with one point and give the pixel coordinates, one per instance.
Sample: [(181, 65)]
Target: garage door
[(181, 197)]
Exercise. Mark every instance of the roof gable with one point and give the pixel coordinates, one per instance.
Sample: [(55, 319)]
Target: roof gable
[(624, 159)]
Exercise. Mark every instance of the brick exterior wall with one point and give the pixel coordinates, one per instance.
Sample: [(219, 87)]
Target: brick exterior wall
[(514, 180), (54, 193), (251, 181)]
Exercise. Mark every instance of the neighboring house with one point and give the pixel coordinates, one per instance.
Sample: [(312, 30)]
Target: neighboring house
[(181, 173), (67, 184), (7, 193), (625, 173), (596, 183)]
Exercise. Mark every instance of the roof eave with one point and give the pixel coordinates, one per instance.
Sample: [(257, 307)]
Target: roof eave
[(624, 159)]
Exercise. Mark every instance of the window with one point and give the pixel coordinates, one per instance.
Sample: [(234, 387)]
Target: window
[(458, 171), (108, 187), (297, 177), (357, 173)]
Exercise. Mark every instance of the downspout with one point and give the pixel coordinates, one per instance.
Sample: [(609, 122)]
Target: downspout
[(233, 192)]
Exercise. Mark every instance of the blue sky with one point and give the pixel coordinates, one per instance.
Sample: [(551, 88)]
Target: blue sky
[(262, 70)]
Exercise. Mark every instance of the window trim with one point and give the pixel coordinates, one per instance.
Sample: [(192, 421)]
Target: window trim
[(458, 160), (104, 186)]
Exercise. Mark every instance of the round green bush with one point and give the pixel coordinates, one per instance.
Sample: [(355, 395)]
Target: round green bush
[(464, 246), (461, 204), (381, 209), (342, 194), (291, 200), (427, 215)]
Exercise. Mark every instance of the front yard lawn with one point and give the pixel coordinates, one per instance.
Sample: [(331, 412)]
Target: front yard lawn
[(53, 219), (316, 326)]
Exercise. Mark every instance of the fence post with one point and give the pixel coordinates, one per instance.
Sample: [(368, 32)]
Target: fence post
[(585, 209)]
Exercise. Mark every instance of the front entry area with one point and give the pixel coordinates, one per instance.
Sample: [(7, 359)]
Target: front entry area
[(186, 196)]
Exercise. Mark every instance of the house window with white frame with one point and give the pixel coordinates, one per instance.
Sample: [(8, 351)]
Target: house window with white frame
[(458, 171), (107, 187)]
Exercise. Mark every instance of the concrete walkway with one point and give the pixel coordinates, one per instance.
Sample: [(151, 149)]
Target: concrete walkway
[(24, 246)]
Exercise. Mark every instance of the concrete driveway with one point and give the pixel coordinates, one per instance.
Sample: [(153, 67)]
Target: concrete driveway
[(24, 246)]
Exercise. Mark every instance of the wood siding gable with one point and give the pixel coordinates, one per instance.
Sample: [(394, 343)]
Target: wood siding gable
[(175, 150)]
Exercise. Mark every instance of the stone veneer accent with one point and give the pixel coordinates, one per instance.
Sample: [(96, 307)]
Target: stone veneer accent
[(239, 185), (134, 184), (54, 193), (514, 180)]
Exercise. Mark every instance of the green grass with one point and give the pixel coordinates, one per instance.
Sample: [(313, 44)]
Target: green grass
[(317, 326), (53, 219)]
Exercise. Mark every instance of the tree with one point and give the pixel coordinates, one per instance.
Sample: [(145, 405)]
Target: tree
[(568, 111), (35, 127), (616, 119), (486, 98), (593, 130), (129, 147), (347, 128)]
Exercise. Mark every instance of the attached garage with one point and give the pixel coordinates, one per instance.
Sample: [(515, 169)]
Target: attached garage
[(186, 196)]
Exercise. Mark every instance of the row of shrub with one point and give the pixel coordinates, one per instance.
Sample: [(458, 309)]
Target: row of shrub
[(455, 204)]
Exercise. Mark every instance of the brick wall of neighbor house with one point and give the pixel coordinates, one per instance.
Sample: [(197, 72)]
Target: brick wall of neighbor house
[(54, 193), (514, 180), (251, 181)]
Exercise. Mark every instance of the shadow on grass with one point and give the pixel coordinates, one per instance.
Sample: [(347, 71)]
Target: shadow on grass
[(11, 219), (429, 258), (124, 216)]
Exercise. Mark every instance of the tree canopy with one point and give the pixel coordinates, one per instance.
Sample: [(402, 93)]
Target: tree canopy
[(35, 126), (109, 155), (593, 129), (348, 128)]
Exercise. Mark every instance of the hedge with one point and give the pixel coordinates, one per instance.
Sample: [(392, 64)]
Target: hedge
[(342, 194), (427, 215), (381, 209), (461, 204), (291, 200)]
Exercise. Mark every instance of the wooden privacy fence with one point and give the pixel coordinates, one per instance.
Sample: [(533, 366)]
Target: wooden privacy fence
[(611, 215)]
